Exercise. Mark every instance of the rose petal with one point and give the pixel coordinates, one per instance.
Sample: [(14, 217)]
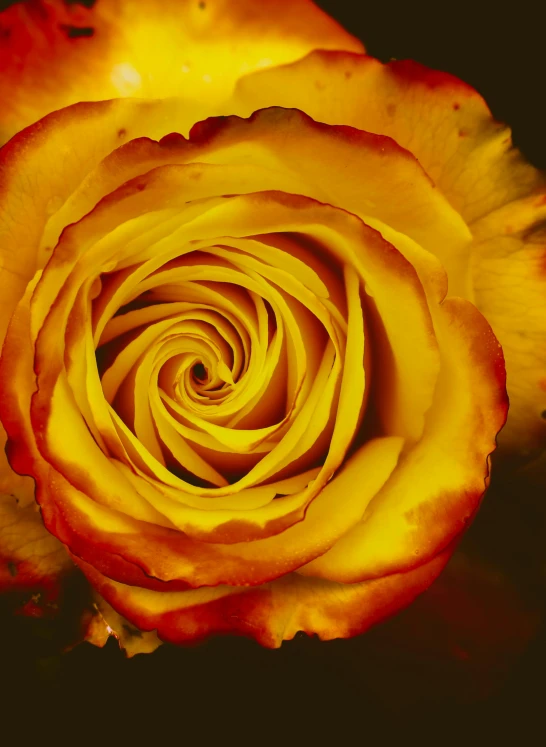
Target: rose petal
[(444, 122), (102, 621), (271, 613), (31, 559), (149, 49), (113, 542), (509, 269), (472, 161), (284, 143), (437, 485), (36, 151)]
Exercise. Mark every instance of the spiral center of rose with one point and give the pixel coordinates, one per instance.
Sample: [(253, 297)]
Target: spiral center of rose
[(224, 362)]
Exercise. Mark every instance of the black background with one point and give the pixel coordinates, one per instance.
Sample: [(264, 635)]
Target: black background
[(231, 691)]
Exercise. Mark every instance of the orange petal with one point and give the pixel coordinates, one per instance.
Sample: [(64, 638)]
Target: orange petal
[(54, 54), (444, 122), (271, 613)]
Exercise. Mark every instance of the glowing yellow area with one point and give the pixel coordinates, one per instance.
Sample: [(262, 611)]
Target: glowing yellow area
[(126, 79)]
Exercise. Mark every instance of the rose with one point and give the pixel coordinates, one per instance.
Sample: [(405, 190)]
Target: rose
[(433, 222), (190, 521)]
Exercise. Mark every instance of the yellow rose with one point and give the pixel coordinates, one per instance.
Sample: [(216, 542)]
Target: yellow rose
[(232, 363)]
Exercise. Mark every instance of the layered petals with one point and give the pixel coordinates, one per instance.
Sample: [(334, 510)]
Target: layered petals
[(443, 121), (509, 269), (54, 54), (245, 398), (404, 525), (470, 157), (271, 613)]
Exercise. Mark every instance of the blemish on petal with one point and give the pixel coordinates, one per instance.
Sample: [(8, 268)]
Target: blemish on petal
[(77, 32), (456, 106), (122, 132), (391, 110)]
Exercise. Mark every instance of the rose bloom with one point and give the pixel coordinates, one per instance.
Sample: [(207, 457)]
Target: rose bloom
[(246, 296)]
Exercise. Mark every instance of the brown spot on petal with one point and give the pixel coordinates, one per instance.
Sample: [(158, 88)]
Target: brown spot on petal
[(122, 132), (391, 110), (77, 32), (456, 106)]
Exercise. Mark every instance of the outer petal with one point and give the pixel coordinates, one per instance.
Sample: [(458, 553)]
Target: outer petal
[(449, 128), (32, 561), (101, 621), (271, 613), (509, 269), (82, 136), (444, 122), (53, 54)]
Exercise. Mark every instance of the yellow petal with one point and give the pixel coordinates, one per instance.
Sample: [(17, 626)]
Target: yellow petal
[(444, 122), (55, 54), (103, 621), (509, 270), (438, 483), (31, 559)]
